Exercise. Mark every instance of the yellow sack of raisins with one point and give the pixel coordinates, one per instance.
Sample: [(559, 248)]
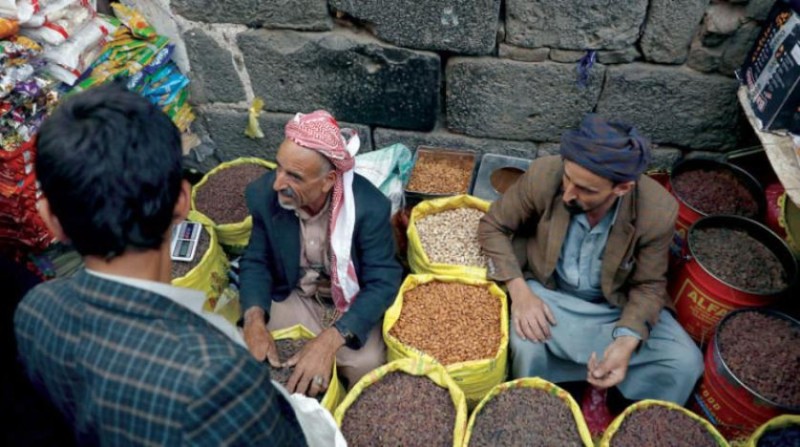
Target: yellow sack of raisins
[(615, 425), (415, 367), (336, 392), (539, 384), (233, 236), (778, 422)]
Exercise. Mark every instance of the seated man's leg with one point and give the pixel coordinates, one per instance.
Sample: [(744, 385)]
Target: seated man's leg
[(560, 358), (295, 310), (532, 359), (355, 363), (666, 367)]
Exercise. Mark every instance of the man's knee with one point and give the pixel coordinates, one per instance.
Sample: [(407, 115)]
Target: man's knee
[(526, 356), (689, 362)]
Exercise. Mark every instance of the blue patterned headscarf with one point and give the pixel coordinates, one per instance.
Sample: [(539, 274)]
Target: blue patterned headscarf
[(610, 149)]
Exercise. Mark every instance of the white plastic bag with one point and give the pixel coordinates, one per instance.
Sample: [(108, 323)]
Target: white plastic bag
[(72, 54), (318, 425), (388, 169)]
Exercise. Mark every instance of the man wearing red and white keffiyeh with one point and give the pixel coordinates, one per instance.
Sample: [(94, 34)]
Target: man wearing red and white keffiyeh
[(321, 254)]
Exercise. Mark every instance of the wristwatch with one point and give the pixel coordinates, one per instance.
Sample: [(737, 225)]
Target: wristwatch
[(350, 339)]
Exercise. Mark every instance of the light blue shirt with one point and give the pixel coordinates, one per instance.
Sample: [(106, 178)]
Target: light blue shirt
[(580, 264)]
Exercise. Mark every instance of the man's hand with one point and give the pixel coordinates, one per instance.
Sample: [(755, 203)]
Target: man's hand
[(611, 369), (314, 361), (530, 315), (258, 339)]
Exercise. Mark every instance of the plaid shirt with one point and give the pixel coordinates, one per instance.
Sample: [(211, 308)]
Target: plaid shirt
[(127, 366)]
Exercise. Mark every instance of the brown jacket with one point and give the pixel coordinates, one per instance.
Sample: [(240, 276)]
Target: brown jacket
[(634, 268)]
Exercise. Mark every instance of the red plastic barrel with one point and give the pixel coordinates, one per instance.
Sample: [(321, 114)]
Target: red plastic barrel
[(701, 299), (688, 214), (733, 407)]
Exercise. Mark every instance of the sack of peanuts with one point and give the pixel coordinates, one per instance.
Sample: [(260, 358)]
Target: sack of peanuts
[(656, 422), (443, 237), (208, 271), (220, 196), (527, 411), (289, 342), (461, 323), (777, 432), (405, 402)]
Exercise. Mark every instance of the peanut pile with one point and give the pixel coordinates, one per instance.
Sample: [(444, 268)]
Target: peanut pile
[(452, 322), (437, 174), (451, 237)]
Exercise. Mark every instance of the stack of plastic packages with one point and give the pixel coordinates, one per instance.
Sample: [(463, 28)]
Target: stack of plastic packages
[(25, 98), (142, 57)]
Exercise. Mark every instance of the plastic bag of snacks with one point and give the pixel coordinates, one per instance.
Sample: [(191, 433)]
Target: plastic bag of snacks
[(462, 323), (8, 27), (76, 54), (529, 409), (388, 405), (335, 393), (220, 196), (649, 420), (443, 237), (209, 269)]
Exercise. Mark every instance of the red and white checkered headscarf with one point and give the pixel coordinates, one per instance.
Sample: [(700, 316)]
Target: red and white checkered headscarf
[(319, 131)]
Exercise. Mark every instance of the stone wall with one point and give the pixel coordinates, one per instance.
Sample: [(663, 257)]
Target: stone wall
[(487, 75)]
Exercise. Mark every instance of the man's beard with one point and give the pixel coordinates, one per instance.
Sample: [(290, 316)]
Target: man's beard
[(573, 207), (290, 194)]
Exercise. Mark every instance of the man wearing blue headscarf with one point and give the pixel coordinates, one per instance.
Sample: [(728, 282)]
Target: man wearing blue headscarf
[(581, 241)]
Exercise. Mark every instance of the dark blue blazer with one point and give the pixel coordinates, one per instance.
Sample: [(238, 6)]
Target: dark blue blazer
[(270, 267)]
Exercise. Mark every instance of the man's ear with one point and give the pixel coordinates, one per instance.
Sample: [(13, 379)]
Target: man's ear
[(50, 220), (620, 189), (330, 180), (183, 203)]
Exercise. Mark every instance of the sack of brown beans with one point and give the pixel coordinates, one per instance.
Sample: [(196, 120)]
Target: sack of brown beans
[(409, 402), (779, 431), (208, 271), (443, 237), (289, 342), (525, 412), (656, 423), (461, 323), (220, 196)]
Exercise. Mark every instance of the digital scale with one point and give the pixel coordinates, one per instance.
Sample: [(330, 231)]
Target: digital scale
[(185, 237)]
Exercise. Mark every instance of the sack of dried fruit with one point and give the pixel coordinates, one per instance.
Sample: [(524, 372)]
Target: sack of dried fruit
[(655, 422), (443, 237), (220, 196), (527, 411), (336, 391), (405, 402), (781, 430), (209, 269), (461, 323)]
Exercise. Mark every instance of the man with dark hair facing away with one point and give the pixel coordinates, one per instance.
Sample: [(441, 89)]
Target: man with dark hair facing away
[(124, 355), (591, 236)]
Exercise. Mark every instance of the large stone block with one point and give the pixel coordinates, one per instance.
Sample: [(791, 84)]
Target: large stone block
[(759, 9), (517, 100), (441, 138), (214, 79), (574, 24), (523, 54), (309, 15), (670, 27), (356, 78), (673, 105), (703, 58), (226, 129), (458, 26)]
